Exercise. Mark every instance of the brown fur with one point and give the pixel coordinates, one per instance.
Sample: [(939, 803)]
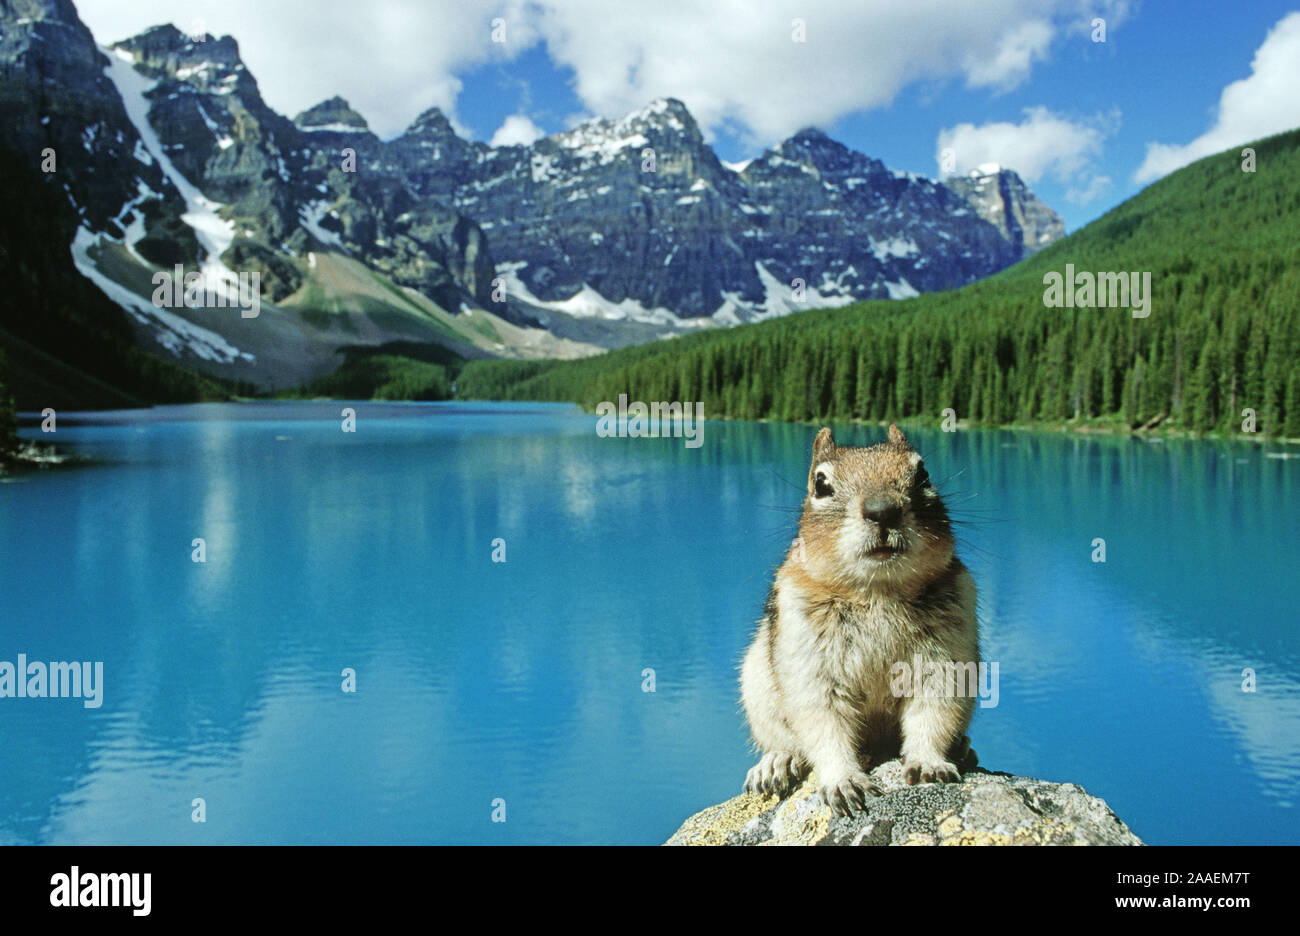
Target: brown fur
[(875, 583)]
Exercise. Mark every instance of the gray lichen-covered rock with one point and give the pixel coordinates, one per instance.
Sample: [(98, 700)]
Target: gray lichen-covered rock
[(984, 809)]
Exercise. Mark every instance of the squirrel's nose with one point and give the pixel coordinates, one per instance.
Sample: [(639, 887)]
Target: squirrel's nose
[(884, 512)]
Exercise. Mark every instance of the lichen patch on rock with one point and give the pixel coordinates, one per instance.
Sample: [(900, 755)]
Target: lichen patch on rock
[(984, 809)]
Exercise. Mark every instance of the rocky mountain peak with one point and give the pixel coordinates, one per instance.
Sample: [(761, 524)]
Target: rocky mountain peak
[(28, 21), (819, 156), (61, 11), (1001, 197), (812, 146), (55, 93), (433, 124), (664, 122), (667, 112), (333, 114), (811, 136), (162, 43), (207, 63)]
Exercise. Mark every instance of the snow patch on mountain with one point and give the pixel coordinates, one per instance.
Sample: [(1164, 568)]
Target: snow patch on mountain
[(171, 331), (894, 247), (589, 303), (335, 128), (311, 215), (779, 298), (603, 138), (214, 233), (590, 141), (134, 230), (902, 289)]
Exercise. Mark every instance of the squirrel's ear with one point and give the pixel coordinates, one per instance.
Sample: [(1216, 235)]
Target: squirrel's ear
[(823, 445), (896, 436)]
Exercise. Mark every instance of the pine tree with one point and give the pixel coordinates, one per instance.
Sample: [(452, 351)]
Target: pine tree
[(1130, 399), (1291, 428)]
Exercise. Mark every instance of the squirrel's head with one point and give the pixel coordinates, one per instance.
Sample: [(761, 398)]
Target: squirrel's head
[(872, 516)]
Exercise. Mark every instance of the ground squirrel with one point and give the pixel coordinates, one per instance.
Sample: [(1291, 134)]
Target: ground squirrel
[(872, 582)]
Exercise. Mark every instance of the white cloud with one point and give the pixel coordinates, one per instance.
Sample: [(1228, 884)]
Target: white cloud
[(1267, 102), (1088, 191), (1017, 50), (516, 130), (731, 61), (1044, 144)]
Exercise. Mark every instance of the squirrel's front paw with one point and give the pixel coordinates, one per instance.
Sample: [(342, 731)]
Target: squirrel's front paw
[(849, 794), (778, 772), (935, 771)]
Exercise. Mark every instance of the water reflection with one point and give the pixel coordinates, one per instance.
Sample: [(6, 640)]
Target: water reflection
[(373, 551)]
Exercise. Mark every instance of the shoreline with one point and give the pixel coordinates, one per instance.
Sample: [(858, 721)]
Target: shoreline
[(28, 451), (1161, 432)]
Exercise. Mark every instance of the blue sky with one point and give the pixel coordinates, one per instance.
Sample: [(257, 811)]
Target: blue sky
[(1019, 82)]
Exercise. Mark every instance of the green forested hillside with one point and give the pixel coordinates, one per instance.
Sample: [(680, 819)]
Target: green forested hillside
[(1223, 250)]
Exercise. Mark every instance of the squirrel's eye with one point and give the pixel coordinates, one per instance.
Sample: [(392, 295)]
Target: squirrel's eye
[(820, 486), (921, 478)]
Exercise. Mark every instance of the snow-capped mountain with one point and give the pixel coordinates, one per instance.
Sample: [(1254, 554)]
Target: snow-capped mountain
[(636, 218), (613, 232), (168, 155)]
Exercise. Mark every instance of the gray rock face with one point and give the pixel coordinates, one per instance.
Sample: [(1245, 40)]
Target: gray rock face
[(984, 809), (54, 95), (1001, 197), (334, 114), (641, 209), (285, 183)]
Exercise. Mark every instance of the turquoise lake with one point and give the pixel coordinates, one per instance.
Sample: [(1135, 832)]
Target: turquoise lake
[(522, 681)]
